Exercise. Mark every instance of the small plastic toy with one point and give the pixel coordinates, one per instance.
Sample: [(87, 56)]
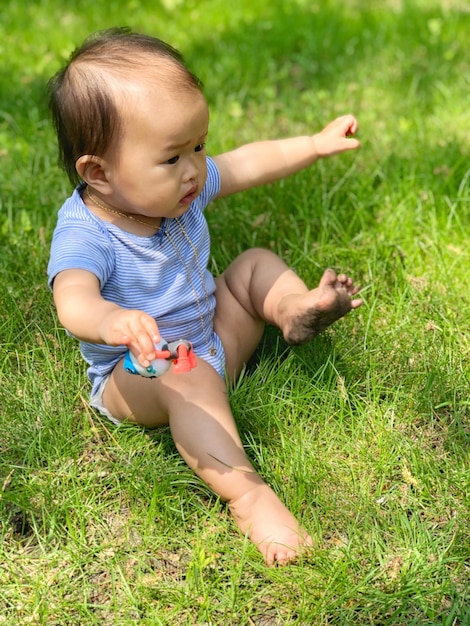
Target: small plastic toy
[(180, 353)]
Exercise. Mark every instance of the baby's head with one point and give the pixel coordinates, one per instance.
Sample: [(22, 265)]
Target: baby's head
[(88, 95)]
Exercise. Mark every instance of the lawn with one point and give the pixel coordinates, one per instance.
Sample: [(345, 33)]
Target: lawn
[(365, 433)]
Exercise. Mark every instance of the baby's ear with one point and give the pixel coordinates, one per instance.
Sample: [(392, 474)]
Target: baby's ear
[(92, 169)]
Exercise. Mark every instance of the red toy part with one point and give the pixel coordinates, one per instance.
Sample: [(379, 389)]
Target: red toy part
[(162, 354), (186, 359)]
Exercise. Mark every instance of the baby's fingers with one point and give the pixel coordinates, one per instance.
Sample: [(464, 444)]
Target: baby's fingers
[(149, 326), (350, 125), (134, 329), (143, 334)]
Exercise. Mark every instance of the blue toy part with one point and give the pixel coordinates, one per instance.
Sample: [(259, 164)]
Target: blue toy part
[(156, 368)]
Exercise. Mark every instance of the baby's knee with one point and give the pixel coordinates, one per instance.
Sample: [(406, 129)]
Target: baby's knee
[(253, 256)]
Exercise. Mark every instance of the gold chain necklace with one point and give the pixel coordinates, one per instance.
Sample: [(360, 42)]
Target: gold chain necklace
[(210, 345), (94, 200)]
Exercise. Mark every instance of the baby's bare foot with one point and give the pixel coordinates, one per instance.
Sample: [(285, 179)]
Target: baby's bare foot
[(270, 525), (305, 316)]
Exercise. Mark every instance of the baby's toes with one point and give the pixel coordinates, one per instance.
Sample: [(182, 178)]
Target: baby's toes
[(280, 555)]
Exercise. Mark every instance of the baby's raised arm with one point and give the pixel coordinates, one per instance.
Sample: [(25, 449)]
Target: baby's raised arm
[(267, 161), (89, 317)]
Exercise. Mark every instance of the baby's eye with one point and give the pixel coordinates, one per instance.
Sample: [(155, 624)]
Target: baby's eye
[(173, 160), (199, 147)]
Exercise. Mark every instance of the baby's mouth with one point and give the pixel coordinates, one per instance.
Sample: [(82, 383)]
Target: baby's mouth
[(190, 196)]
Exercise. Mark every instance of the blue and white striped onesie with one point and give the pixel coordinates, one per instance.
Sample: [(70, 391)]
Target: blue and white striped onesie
[(144, 273)]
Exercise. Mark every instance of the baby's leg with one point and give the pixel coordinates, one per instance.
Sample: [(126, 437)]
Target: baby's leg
[(258, 286), (196, 406)]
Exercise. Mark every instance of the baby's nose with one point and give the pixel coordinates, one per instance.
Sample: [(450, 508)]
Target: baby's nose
[(192, 170)]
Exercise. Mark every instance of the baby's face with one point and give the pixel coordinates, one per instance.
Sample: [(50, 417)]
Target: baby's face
[(159, 166)]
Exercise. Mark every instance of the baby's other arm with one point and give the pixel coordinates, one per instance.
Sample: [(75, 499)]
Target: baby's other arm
[(88, 316), (267, 161)]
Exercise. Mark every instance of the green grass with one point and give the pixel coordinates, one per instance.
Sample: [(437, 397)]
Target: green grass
[(364, 433)]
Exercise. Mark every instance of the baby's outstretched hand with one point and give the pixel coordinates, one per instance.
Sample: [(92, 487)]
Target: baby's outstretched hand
[(336, 137), (132, 328)]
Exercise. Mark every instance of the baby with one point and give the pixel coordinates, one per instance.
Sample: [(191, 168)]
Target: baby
[(129, 260)]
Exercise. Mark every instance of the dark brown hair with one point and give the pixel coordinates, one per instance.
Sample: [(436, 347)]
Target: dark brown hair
[(82, 99)]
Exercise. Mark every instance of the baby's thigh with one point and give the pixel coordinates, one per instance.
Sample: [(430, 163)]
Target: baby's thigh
[(154, 402), (133, 398), (239, 330)]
